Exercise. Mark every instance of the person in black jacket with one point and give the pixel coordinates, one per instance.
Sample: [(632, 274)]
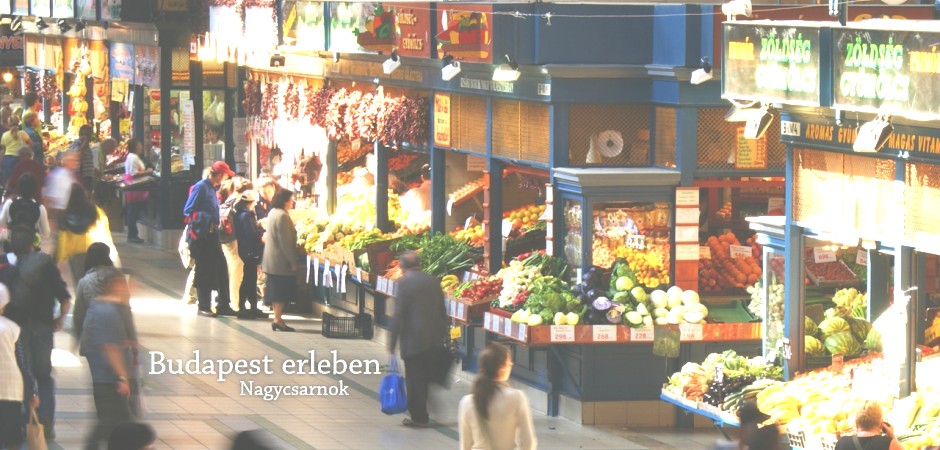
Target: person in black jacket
[(420, 323), (250, 248)]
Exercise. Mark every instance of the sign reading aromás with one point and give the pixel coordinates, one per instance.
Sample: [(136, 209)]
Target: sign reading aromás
[(883, 71), (777, 63)]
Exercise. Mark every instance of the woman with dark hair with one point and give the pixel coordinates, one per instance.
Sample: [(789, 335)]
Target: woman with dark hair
[(74, 232), (279, 261), (495, 416), (25, 210), (99, 269)]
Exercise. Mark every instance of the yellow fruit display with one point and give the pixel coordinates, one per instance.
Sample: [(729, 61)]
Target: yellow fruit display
[(473, 235), (524, 217)]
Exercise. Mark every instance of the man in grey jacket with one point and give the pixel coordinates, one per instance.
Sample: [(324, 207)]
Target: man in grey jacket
[(420, 323)]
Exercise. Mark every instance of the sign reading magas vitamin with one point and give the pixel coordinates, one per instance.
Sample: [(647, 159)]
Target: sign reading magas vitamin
[(775, 63), (883, 71)]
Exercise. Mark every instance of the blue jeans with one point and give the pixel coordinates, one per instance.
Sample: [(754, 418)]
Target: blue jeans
[(8, 163), (39, 344), (133, 216)]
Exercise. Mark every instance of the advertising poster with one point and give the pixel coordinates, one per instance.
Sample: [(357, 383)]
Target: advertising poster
[(21, 7), (63, 9), (6, 8), (40, 8), (305, 25), (347, 18), (110, 9), (86, 9), (147, 65), (189, 132), (414, 25), (122, 61), (442, 120)]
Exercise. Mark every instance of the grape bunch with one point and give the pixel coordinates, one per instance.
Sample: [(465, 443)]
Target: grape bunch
[(718, 391)]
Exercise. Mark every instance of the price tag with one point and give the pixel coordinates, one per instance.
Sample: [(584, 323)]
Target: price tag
[(507, 327), (562, 333), (740, 251), (467, 223), (507, 227), (342, 278), (687, 252), (460, 311), (787, 349), (308, 268), (450, 207), (455, 333), (687, 216), (705, 252), (687, 196), (775, 206), (821, 255), (451, 307), (381, 284), (719, 372), (359, 274), (604, 333), (687, 233), (644, 334), (520, 332), (495, 323), (690, 332), (486, 320), (861, 258)]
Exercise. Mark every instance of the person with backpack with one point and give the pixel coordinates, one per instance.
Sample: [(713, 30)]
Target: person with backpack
[(38, 287), (25, 210), (229, 193), (26, 164)]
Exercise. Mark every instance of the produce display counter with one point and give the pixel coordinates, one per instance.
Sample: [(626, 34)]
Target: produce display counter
[(716, 415), (543, 335)]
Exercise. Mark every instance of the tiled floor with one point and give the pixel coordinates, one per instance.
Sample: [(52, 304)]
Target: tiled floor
[(199, 412)]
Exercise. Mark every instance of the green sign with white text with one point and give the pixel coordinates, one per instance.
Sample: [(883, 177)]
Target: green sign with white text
[(771, 63)]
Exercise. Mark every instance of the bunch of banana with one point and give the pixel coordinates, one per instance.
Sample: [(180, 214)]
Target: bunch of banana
[(449, 282), (776, 402)]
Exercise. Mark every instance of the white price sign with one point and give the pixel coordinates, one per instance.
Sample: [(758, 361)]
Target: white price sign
[(562, 333), (507, 327), (861, 258), (740, 251), (494, 324), (460, 311), (687, 252), (704, 252), (687, 216), (687, 196), (487, 317), (823, 255), (520, 333), (604, 333), (687, 233), (507, 227), (644, 334), (690, 332)]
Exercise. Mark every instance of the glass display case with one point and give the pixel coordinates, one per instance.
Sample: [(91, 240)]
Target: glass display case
[(767, 300), (573, 232), (638, 232)]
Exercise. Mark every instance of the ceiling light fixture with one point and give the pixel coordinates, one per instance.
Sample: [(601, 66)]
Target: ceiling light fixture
[(64, 26), (80, 25), (16, 25), (450, 68), (391, 63), (703, 73), (758, 125), (736, 8), (507, 72), (41, 24)]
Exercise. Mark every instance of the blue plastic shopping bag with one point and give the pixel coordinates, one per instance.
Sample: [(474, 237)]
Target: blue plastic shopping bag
[(392, 390)]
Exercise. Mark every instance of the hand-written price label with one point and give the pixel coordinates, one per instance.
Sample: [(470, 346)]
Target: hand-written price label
[(644, 334), (690, 332), (562, 333), (486, 320), (507, 327), (460, 311), (705, 252), (604, 333), (383, 285), (507, 228), (494, 324), (451, 307), (740, 251), (822, 255), (787, 349), (521, 332), (861, 258)]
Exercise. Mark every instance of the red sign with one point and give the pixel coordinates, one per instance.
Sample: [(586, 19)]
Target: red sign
[(414, 26), (465, 32), (819, 13), (378, 32), (11, 43)]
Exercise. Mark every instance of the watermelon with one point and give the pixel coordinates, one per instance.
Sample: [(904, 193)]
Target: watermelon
[(843, 342), (873, 340), (813, 347), (833, 325), (859, 328), (810, 326)]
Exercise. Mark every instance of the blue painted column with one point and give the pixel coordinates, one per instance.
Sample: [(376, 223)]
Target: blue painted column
[(559, 115), (686, 144), (793, 286), (438, 189), (381, 188), (493, 214)]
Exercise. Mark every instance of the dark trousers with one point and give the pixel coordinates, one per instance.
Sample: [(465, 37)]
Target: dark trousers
[(39, 344), (133, 215), (248, 290), (211, 272), (112, 410), (11, 424), (6, 169), (418, 374)]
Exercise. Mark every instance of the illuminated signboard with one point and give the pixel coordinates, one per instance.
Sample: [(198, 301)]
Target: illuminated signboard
[(884, 71), (774, 63)]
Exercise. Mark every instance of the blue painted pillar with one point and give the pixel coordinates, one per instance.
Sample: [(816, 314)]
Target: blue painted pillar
[(558, 157), (381, 188), (493, 215), (438, 189), (793, 286), (686, 144)]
